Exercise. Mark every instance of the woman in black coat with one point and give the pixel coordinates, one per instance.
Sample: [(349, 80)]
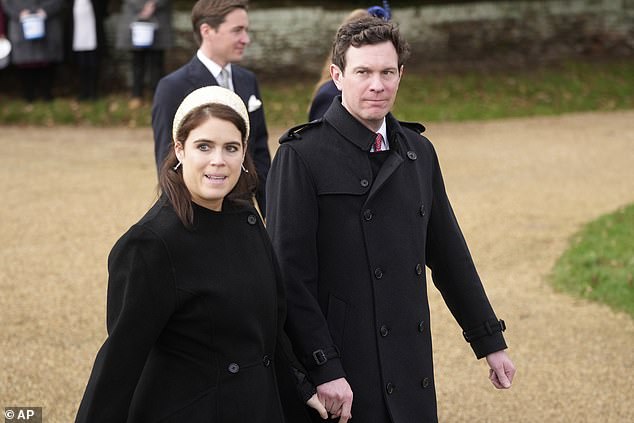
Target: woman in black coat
[(195, 305)]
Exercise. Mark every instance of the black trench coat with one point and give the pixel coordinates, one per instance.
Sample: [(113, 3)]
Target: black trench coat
[(352, 249)]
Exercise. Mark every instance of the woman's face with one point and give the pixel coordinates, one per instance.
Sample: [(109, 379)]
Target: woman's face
[(211, 161)]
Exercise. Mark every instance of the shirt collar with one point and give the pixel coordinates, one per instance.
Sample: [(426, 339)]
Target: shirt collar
[(212, 66), (353, 130)]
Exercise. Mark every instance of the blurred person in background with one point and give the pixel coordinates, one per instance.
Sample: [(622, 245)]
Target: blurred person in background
[(220, 28), (5, 45), (325, 89), (196, 307), (88, 44), (36, 53), (147, 59)]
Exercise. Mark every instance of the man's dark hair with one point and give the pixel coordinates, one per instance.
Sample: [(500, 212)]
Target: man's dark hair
[(213, 13), (367, 31)]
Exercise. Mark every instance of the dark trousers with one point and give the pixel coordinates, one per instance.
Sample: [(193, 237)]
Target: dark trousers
[(37, 81), (144, 62), (88, 69)]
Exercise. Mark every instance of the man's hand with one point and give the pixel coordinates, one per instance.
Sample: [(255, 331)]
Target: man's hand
[(336, 396), (501, 369)]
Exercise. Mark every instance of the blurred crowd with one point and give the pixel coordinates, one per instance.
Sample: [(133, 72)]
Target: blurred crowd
[(40, 37)]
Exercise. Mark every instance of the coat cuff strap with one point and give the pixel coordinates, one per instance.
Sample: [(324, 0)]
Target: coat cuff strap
[(488, 328)]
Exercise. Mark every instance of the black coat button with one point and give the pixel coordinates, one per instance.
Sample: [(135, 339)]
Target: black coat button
[(421, 326), (411, 155), (233, 368), (378, 273), (364, 183), (425, 383), (419, 269), (384, 331), (367, 214), (252, 219), (421, 211), (390, 388), (266, 360)]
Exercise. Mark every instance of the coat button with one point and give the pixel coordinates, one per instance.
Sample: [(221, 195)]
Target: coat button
[(233, 368), (419, 269), (364, 183), (252, 219), (367, 214), (421, 326), (411, 155), (390, 388), (378, 273), (266, 360), (425, 383), (384, 331), (421, 211)]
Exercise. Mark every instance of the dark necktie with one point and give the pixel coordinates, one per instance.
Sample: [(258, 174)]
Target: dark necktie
[(378, 143)]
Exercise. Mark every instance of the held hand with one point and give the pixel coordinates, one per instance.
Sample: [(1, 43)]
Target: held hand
[(336, 396), (313, 402), (501, 369)]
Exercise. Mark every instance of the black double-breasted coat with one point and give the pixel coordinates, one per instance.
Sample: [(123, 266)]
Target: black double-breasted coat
[(194, 322), (353, 245)]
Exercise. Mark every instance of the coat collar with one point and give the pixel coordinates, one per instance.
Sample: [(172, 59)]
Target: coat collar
[(354, 131)]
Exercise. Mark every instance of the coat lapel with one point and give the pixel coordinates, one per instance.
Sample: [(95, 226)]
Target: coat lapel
[(198, 74)]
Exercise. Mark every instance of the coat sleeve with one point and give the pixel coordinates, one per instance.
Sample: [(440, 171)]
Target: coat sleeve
[(284, 349), (454, 272), (166, 101), (292, 224), (141, 299)]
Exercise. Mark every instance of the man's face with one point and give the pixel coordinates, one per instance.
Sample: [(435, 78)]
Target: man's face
[(227, 43), (369, 82)]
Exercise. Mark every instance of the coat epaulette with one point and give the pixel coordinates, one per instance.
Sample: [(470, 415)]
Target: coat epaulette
[(294, 132), (415, 126)]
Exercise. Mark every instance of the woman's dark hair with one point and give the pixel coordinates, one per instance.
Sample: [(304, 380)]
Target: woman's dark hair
[(171, 181)]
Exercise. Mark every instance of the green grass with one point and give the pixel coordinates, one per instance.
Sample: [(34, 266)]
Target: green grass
[(423, 97), (599, 265), (571, 87)]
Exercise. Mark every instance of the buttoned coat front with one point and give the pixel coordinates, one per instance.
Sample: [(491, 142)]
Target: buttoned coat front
[(353, 248), (195, 322)]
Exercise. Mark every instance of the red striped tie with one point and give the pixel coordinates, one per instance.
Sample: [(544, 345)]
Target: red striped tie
[(378, 142)]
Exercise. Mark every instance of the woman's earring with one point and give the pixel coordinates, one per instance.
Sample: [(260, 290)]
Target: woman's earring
[(244, 169), (175, 168)]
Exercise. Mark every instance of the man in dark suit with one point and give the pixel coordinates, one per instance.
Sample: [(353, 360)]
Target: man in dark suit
[(357, 208), (221, 30)]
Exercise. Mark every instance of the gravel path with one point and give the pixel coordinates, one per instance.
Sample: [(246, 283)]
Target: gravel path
[(520, 188)]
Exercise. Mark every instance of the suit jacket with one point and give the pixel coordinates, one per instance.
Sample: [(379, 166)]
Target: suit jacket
[(194, 319), (173, 88), (353, 244)]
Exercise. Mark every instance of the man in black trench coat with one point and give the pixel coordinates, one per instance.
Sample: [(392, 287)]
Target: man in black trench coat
[(355, 218)]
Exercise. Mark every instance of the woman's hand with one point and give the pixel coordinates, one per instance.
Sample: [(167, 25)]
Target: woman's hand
[(313, 402)]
